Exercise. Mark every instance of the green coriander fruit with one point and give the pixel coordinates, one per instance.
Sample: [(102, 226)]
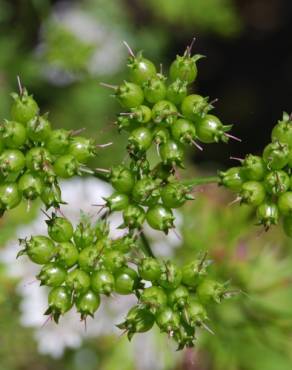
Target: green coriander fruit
[(102, 282), (168, 320), (84, 235), (10, 195), (59, 229), (52, 275), (140, 69), (58, 141), (11, 161), (177, 91), (59, 302), (24, 107), (232, 179), (184, 67), (39, 128), (194, 271), (277, 182), (126, 280), (160, 218), (252, 193), (276, 155), (175, 194), (267, 214), (87, 304), (133, 216), (146, 191), (171, 276), (164, 112), (183, 131), (14, 134), (51, 196), (195, 313), (171, 153), (81, 148), (122, 179), (179, 297), (39, 249), (67, 254), (211, 130), (285, 203), (209, 290), (194, 107), (140, 140), (78, 280), (254, 167), (150, 269), (89, 258), (282, 132), (154, 298), (30, 185), (117, 201), (141, 114), (138, 320), (129, 95), (66, 166), (38, 159), (113, 259), (155, 89)]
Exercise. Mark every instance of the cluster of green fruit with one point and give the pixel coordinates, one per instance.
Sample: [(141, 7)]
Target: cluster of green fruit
[(33, 155), (82, 264), (166, 115), (265, 181)]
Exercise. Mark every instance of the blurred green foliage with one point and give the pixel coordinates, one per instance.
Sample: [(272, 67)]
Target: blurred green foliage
[(65, 50), (218, 16), (253, 329)]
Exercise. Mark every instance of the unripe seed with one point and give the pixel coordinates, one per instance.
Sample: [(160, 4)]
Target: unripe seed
[(87, 304), (102, 282)]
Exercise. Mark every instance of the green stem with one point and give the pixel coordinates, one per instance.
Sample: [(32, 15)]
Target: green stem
[(201, 180), (194, 182), (101, 176), (146, 246)]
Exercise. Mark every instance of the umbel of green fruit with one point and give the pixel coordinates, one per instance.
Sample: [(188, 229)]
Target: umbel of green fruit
[(81, 264)]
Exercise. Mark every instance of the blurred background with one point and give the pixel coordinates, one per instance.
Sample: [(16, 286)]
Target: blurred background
[(62, 50)]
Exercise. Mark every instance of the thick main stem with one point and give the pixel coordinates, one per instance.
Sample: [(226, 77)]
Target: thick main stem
[(146, 246), (101, 175), (201, 180)]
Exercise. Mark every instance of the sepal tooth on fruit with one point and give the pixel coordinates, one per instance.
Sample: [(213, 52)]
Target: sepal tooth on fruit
[(21, 253)]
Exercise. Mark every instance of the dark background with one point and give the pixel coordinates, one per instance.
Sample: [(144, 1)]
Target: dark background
[(251, 75)]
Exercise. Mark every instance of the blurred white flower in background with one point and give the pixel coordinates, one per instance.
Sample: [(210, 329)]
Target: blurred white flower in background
[(95, 46), (152, 350), (53, 339)]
